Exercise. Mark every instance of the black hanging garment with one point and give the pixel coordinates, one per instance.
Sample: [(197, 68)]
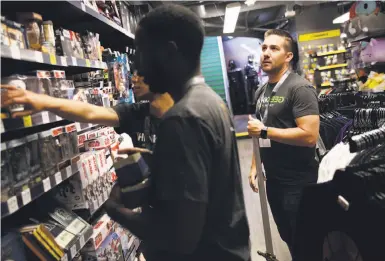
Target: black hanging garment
[(351, 206)]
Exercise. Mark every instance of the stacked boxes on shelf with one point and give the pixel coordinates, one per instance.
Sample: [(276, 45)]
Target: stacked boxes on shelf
[(91, 187), (110, 241)]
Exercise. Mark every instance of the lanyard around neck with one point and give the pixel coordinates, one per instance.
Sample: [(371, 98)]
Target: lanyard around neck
[(275, 90)]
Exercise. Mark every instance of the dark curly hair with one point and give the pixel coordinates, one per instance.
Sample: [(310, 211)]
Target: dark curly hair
[(176, 23)]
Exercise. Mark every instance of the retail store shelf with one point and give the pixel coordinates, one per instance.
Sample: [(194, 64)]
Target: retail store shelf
[(49, 59), (334, 66), (91, 12), (331, 53), (31, 193)]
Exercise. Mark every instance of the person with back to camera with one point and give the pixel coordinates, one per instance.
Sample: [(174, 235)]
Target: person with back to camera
[(197, 208), (287, 125), (138, 120)]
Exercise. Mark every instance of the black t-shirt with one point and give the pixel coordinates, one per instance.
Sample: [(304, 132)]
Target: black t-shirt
[(295, 98), (136, 121), (196, 159)]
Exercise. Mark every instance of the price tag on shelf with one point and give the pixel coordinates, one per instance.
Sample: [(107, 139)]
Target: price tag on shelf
[(69, 171), (27, 121), (78, 127), (58, 118), (1, 126), (64, 258), (45, 116), (83, 7), (15, 52), (63, 61), (12, 204), (39, 57), (58, 178), (82, 242), (26, 196), (73, 251), (88, 63), (52, 59), (46, 184), (74, 61)]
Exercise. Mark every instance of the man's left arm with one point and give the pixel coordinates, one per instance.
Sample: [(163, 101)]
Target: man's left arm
[(306, 113)]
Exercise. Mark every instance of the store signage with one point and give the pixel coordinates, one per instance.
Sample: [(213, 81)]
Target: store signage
[(319, 35)]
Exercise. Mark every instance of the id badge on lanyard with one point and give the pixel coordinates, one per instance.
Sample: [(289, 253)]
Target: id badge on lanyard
[(265, 143)]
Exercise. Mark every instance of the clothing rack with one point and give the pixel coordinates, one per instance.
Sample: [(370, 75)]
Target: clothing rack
[(367, 140)]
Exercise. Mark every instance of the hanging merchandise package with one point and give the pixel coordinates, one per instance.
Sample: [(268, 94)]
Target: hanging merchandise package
[(6, 174), (49, 153), (32, 23), (18, 159), (33, 157)]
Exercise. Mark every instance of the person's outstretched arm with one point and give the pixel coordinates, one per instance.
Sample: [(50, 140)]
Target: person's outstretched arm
[(68, 109)]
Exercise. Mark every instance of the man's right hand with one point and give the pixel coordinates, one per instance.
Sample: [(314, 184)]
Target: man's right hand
[(11, 95), (253, 179)]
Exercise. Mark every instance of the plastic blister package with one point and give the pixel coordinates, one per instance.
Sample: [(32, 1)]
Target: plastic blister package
[(18, 160), (72, 140), (19, 81), (6, 174), (33, 158), (48, 152)]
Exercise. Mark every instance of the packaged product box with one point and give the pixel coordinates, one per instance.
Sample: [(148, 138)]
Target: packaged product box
[(6, 175), (72, 134), (101, 230), (19, 163), (134, 180), (99, 143), (34, 159), (49, 153), (105, 243)]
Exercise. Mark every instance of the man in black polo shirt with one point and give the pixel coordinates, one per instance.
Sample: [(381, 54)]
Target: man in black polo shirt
[(198, 210), (287, 125)]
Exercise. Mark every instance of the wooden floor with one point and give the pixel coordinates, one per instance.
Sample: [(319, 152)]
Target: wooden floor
[(253, 210)]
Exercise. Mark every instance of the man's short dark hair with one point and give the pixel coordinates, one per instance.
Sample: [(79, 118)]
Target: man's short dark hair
[(290, 46), (179, 24)]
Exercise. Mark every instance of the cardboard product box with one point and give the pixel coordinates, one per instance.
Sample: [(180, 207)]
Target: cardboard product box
[(128, 241), (91, 135), (105, 243), (101, 230), (99, 143), (71, 132)]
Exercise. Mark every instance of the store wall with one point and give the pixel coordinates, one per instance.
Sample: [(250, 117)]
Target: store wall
[(212, 66), (316, 18)]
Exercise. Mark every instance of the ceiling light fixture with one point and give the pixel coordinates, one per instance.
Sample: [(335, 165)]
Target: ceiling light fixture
[(231, 17), (342, 19), (250, 2)]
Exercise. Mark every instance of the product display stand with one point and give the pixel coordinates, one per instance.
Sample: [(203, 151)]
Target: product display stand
[(269, 255), (57, 174)]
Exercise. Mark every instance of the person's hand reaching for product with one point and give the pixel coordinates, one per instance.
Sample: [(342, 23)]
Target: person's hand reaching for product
[(254, 127), (11, 95)]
